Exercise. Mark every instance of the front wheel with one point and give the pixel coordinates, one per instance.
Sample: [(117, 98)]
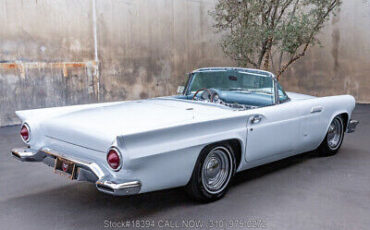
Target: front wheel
[(334, 137), (212, 173)]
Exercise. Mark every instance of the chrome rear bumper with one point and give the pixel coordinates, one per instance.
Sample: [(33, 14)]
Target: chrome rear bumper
[(86, 171), (121, 189), (26, 154), (352, 126)]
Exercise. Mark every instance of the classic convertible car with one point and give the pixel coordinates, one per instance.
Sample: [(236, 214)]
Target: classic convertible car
[(225, 120)]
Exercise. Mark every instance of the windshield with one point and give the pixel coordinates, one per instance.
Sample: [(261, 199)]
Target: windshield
[(234, 81)]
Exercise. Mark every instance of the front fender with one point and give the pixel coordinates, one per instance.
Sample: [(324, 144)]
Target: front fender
[(334, 106)]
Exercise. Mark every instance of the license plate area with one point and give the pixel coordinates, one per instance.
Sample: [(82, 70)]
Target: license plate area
[(65, 167)]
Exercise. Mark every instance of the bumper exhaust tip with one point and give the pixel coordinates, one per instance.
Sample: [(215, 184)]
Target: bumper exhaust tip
[(25, 154), (119, 189)]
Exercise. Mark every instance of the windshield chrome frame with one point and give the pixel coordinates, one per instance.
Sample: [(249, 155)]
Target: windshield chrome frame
[(246, 70)]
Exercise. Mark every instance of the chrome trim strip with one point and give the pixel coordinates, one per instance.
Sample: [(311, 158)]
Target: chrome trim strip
[(254, 74), (234, 68), (316, 109)]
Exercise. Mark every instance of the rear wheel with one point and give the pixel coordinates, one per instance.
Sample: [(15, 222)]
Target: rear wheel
[(212, 173), (334, 137)]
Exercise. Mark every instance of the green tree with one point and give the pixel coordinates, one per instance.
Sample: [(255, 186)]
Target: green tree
[(270, 33)]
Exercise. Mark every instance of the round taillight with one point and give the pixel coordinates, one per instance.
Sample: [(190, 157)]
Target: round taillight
[(114, 159), (25, 133)]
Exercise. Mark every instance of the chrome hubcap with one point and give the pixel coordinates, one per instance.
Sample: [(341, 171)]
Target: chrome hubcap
[(335, 134), (216, 170)]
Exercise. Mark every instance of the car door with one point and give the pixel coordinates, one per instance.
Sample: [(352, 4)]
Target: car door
[(272, 131)]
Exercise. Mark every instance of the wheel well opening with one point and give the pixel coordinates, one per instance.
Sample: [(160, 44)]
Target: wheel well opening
[(235, 144), (345, 119)]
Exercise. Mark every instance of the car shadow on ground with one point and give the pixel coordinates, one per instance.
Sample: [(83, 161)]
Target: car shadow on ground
[(260, 171), (60, 206), (77, 196)]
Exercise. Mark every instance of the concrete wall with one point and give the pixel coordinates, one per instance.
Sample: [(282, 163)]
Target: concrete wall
[(342, 65), (46, 55), (144, 48)]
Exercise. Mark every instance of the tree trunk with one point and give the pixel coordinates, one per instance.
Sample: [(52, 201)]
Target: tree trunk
[(266, 63), (278, 76)]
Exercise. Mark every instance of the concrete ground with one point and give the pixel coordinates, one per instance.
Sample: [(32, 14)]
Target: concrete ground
[(302, 192)]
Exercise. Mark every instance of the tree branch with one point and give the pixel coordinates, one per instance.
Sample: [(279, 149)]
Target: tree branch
[(311, 37)]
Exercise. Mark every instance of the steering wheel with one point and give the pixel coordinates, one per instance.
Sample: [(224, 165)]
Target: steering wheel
[(204, 89)]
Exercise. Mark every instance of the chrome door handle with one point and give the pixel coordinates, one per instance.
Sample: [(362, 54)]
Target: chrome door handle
[(316, 109), (256, 119)]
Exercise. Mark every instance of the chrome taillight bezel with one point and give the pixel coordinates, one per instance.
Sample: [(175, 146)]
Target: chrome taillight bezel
[(120, 158), (29, 133)]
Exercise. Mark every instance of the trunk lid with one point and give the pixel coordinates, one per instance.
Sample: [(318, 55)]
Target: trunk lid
[(97, 128)]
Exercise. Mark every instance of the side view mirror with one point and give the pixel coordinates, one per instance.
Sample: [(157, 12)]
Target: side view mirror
[(180, 89)]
